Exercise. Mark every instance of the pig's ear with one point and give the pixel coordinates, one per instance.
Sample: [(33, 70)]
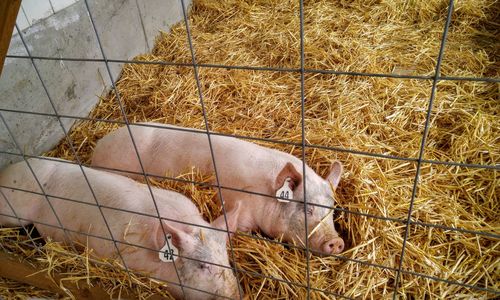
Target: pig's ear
[(335, 173), (232, 217), (288, 171), (181, 239)]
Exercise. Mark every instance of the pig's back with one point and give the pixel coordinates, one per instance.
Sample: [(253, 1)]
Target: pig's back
[(239, 163), (20, 176), (65, 180), (170, 152), (112, 190), (21, 195), (116, 151), (186, 148)]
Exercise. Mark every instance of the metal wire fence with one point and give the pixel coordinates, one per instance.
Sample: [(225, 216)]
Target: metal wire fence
[(436, 77)]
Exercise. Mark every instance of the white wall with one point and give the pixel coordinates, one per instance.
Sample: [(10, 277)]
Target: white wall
[(32, 11)]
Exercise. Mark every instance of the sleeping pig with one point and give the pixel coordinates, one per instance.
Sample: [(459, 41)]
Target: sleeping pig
[(240, 165), (62, 179)]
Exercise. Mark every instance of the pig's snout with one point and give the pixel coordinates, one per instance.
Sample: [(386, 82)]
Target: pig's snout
[(333, 246)]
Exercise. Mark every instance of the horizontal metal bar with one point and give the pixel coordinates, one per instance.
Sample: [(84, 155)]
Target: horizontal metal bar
[(266, 276), (273, 141), (383, 218), (210, 185), (258, 68)]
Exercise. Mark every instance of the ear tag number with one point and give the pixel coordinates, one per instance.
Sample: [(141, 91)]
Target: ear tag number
[(168, 255), (284, 192)]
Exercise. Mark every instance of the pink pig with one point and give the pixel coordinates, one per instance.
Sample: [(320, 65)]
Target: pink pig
[(240, 165), (63, 179)]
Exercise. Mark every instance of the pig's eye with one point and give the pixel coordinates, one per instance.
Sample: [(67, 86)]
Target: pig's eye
[(310, 210), (203, 266)]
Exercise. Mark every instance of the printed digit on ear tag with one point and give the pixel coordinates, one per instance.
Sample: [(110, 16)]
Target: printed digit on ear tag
[(166, 254), (284, 192)]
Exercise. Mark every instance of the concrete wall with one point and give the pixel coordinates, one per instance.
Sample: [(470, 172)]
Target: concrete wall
[(74, 86), (32, 11)]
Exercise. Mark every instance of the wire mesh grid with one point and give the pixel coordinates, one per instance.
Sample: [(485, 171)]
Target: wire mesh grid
[(303, 146)]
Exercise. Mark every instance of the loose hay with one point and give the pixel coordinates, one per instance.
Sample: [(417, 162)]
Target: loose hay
[(376, 115)]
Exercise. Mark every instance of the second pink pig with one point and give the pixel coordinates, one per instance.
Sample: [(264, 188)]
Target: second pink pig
[(130, 216), (240, 165)]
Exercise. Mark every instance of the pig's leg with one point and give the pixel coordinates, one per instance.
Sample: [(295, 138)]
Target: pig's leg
[(246, 220)]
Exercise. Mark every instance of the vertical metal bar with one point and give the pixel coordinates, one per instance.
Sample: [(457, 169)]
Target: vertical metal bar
[(207, 130), (302, 109), (124, 115), (422, 144), (73, 150)]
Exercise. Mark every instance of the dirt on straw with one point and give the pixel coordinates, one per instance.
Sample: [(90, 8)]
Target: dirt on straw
[(372, 114)]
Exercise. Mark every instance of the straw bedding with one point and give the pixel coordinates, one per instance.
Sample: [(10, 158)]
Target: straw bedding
[(375, 115)]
